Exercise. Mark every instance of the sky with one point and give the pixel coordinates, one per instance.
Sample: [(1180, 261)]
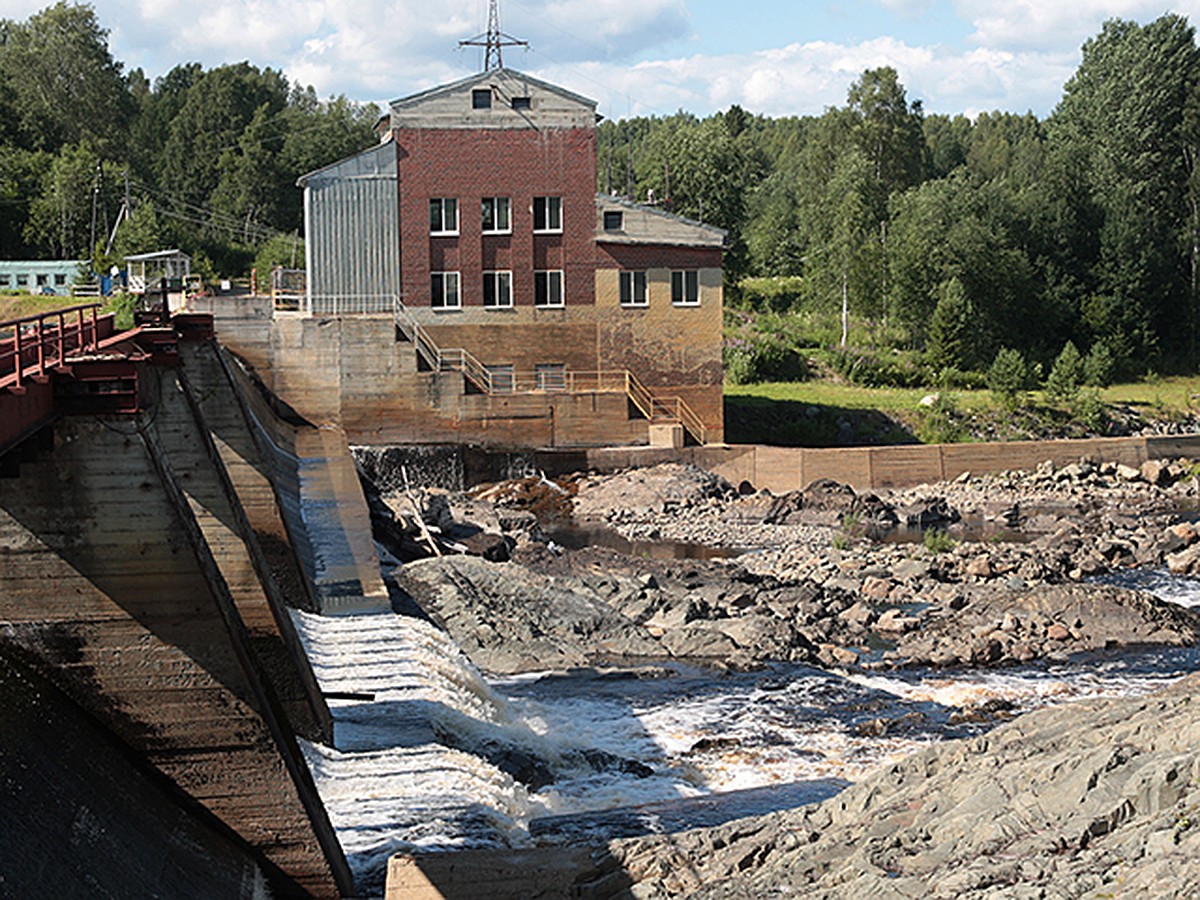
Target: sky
[(641, 57)]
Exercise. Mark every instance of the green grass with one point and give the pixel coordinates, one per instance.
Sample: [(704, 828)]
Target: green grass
[(813, 413)]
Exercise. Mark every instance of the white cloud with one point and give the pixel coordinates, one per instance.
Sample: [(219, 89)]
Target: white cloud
[(1045, 25), (805, 79)]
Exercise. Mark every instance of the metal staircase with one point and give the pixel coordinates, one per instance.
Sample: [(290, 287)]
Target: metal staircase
[(658, 410)]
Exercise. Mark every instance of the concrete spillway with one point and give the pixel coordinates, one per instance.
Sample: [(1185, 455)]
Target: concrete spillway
[(146, 564)]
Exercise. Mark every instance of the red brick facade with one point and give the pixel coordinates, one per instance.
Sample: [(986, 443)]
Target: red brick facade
[(471, 164)]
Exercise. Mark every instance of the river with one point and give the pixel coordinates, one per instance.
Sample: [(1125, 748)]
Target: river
[(425, 744)]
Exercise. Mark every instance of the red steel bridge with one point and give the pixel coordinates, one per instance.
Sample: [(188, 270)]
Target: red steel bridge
[(74, 361)]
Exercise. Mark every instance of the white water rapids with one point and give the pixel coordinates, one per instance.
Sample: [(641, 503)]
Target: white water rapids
[(411, 767)]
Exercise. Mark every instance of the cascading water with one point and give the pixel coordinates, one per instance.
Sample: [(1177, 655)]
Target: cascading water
[(693, 746)]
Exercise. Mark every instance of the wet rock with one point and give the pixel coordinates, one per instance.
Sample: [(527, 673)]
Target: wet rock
[(1061, 802)]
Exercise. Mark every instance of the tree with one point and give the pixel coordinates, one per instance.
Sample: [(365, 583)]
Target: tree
[(1008, 377), (950, 345), (1123, 125), (887, 129), (1066, 375), (65, 86)]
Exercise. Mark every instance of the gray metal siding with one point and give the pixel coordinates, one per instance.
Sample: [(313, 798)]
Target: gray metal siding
[(353, 228)]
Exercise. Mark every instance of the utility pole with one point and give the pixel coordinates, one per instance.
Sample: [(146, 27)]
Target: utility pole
[(493, 40)]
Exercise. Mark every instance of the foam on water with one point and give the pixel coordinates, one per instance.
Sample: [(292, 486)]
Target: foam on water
[(670, 736)]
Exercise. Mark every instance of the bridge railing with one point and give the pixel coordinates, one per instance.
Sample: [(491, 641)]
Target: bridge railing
[(31, 346)]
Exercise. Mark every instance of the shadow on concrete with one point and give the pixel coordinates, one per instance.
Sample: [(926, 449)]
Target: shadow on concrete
[(793, 423)]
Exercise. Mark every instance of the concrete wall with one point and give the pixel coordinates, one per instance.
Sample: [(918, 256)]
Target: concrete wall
[(122, 583)]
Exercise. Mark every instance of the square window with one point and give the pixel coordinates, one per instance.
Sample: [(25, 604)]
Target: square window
[(685, 288), (443, 290), (497, 290), (522, 103), (42, 281), (481, 98), (633, 289), (548, 289), (547, 213), (5, 281), (443, 215), (22, 280), (503, 378), (551, 376), (497, 215), (614, 220), (60, 279)]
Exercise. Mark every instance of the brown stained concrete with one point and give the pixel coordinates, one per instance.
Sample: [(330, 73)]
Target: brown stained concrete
[(109, 590)]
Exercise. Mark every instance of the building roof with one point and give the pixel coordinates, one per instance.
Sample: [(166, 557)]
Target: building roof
[(515, 101), (487, 77), (644, 224), (156, 255), (377, 162)]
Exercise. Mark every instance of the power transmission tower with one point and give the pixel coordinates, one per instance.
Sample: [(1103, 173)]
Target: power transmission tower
[(493, 40)]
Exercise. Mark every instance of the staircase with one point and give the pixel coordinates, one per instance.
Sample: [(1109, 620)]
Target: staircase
[(657, 410)]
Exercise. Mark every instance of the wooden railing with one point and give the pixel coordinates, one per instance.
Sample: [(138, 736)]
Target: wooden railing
[(655, 409)]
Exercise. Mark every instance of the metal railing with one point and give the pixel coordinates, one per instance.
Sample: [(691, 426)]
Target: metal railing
[(655, 409), (349, 304), (31, 346)]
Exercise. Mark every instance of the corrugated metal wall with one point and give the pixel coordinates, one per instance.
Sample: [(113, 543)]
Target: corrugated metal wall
[(353, 230)]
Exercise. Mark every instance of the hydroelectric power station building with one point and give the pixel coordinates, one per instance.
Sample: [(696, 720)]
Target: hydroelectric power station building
[(466, 283)]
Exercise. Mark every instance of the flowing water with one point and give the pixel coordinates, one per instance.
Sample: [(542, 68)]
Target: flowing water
[(619, 752)]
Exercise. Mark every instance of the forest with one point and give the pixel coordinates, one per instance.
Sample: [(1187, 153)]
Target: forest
[(917, 248)]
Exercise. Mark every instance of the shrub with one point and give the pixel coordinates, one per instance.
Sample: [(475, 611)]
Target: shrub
[(778, 294), (938, 541), (123, 305), (1065, 375), (869, 370), (755, 357), (1100, 365), (941, 422), (1089, 409), (1008, 377)]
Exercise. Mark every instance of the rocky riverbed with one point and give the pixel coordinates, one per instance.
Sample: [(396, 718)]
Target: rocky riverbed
[(1086, 799)]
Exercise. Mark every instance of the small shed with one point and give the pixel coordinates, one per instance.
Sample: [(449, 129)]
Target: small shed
[(147, 268), (41, 276)]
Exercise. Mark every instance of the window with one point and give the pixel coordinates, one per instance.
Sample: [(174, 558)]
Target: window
[(481, 98), (614, 220), (522, 103), (22, 280), (551, 376), (548, 288), (633, 289), (685, 288), (443, 290), (4, 280), (443, 215), (60, 279), (547, 213), (42, 281), (497, 215), (497, 290), (503, 378)]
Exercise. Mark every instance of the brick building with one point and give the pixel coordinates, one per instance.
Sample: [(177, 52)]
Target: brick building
[(535, 310)]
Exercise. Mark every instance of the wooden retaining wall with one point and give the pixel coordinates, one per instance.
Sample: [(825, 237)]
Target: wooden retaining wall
[(782, 469)]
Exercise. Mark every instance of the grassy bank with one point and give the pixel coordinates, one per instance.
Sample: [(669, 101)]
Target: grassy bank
[(826, 413)]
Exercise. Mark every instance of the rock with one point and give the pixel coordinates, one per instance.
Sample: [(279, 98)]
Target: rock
[(895, 621), (508, 619), (1155, 472), (928, 513), (1084, 799), (876, 588), (1128, 473), (1186, 561), (1057, 632), (979, 567), (859, 614)]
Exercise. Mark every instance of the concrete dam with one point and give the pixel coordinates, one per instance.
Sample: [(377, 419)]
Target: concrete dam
[(152, 545)]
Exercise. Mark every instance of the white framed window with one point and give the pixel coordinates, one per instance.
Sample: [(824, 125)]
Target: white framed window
[(444, 290), (443, 215), (614, 220), (497, 215), (685, 288), (633, 289), (547, 214), (481, 98), (548, 289), (497, 290)]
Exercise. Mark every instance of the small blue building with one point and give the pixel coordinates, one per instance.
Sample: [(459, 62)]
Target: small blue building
[(41, 276)]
